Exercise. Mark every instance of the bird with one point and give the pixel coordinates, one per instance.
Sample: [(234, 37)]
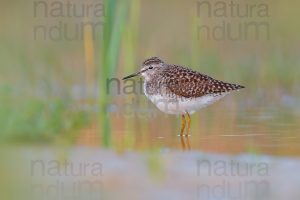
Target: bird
[(179, 90)]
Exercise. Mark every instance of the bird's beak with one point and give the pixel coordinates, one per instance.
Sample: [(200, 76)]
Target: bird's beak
[(133, 75)]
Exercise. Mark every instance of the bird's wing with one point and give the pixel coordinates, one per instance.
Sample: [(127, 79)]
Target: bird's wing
[(188, 83)]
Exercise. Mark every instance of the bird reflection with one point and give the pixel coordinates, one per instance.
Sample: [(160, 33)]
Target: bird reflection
[(185, 143)]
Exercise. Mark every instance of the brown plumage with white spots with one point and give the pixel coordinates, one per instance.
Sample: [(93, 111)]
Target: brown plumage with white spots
[(176, 89)]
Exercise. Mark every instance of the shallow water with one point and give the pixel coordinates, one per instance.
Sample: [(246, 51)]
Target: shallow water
[(95, 173), (229, 154), (215, 129)]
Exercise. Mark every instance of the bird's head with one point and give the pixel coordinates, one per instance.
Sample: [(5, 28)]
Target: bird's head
[(148, 68)]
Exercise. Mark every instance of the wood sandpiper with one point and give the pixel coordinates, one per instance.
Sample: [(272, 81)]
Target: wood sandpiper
[(176, 89)]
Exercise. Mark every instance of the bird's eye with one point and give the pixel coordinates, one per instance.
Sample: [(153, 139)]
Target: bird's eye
[(150, 67)]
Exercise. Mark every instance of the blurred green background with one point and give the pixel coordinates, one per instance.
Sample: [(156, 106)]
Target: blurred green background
[(55, 69), (62, 98)]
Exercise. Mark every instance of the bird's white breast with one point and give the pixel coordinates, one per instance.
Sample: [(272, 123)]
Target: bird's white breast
[(181, 105)]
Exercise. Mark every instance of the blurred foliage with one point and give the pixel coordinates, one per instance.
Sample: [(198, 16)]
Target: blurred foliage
[(35, 119), (116, 18), (155, 165), (43, 89)]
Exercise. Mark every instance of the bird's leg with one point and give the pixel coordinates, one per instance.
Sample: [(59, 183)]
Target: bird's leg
[(189, 124), (182, 124)]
